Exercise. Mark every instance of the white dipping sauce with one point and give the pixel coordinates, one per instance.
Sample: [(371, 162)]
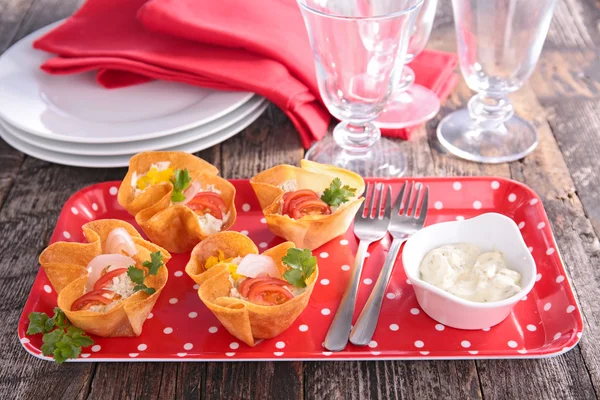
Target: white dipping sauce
[(464, 271)]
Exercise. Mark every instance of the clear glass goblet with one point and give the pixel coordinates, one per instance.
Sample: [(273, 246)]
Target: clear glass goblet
[(499, 43), (412, 104), (356, 45)]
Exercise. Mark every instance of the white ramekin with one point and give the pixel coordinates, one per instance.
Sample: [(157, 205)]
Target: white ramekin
[(489, 232)]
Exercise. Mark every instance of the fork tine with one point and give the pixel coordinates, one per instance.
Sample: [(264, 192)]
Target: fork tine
[(376, 191), (398, 203), (413, 212), (423, 213), (388, 203), (361, 210), (407, 204), (381, 198)]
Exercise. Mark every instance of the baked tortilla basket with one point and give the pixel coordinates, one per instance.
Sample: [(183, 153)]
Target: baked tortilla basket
[(172, 226), (65, 265), (310, 231), (246, 321)]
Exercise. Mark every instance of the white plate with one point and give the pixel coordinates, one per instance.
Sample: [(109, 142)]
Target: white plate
[(75, 108), (104, 149), (123, 160)]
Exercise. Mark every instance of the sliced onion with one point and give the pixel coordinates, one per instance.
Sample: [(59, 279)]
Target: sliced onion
[(191, 191), (254, 265), (119, 241), (98, 263)]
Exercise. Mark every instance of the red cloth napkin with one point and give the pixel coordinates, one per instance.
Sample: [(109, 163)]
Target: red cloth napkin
[(227, 45)]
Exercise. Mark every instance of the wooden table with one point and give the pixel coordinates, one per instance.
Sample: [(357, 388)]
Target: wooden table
[(562, 98)]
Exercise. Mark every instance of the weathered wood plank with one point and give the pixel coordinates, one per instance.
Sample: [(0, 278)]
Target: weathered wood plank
[(575, 124), (392, 380)]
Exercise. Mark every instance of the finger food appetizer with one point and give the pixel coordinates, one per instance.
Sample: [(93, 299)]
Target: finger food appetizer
[(254, 296), (177, 199), (108, 286), (309, 205)]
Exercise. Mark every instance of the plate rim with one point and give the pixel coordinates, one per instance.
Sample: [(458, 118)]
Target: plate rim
[(241, 99), (252, 105), (120, 161)]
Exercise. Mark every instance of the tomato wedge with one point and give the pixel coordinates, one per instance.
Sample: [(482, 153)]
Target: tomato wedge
[(248, 283), (269, 294), (290, 197), (107, 278), (95, 297), (208, 202), (310, 207)]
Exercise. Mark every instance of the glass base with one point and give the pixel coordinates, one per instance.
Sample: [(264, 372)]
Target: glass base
[(385, 159), (510, 141), (414, 106)]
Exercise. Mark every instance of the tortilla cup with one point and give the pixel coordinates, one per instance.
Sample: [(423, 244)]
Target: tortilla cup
[(65, 265), (246, 321), (172, 226), (310, 231)]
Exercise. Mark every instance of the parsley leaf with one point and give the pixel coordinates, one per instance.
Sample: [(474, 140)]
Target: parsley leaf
[(155, 263), (60, 319), (337, 194), (181, 180), (144, 288), (136, 275), (61, 339), (37, 323), (79, 337), (294, 277), (302, 264)]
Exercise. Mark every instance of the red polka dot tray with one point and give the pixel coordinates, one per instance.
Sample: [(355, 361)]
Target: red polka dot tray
[(545, 323)]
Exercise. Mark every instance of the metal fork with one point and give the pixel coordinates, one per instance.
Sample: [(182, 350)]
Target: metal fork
[(402, 226), (368, 229)]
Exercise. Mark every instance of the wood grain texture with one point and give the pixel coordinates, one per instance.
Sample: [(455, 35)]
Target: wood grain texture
[(392, 380)]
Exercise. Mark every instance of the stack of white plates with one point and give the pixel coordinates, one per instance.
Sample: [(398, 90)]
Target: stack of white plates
[(72, 120)]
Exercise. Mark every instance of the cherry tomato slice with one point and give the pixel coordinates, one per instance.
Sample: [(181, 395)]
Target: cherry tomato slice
[(92, 298), (208, 202), (290, 197), (269, 294), (107, 278), (310, 207), (247, 284)]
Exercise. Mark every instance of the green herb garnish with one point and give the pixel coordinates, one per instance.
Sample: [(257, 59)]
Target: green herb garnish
[(138, 276), (181, 180), (302, 265), (337, 194), (61, 339)]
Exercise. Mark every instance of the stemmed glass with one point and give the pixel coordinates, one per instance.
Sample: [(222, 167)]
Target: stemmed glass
[(412, 104), (357, 45), (499, 43)]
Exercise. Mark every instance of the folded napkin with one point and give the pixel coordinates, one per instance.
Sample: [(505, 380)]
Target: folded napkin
[(224, 45)]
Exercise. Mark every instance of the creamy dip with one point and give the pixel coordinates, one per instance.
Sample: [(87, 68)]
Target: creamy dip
[(466, 272)]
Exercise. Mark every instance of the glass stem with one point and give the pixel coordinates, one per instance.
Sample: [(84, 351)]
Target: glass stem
[(490, 110), (356, 139), (407, 78)]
